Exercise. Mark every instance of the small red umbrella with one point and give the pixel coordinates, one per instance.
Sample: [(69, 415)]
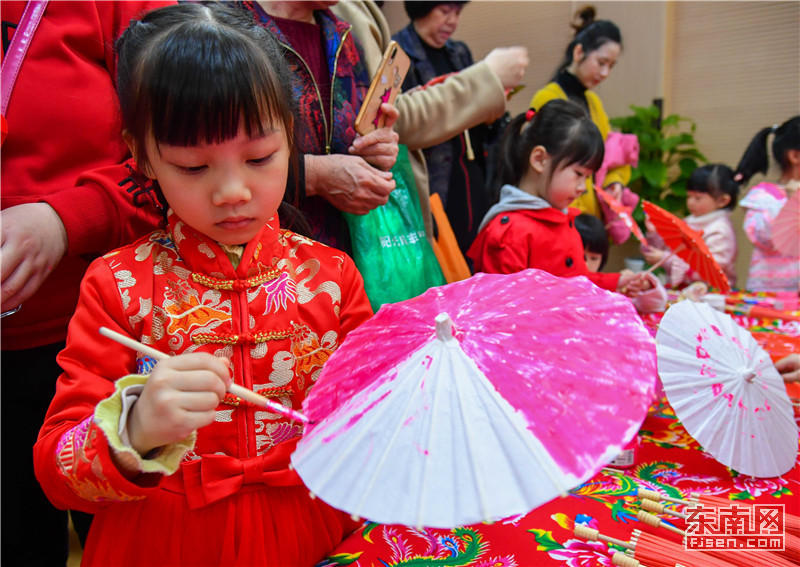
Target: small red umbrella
[(3, 129), (688, 244), (657, 551), (791, 525), (653, 550), (790, 521), (624, 212), (752, 558)]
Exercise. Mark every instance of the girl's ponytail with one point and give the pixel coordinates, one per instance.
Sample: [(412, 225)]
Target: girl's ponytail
[(755, 158), (512, 162)]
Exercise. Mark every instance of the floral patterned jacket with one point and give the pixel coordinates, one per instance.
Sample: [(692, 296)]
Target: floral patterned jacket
[(321, 130), (277, 317)]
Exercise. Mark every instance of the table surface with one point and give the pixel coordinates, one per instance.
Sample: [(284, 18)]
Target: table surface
[(668, 460)]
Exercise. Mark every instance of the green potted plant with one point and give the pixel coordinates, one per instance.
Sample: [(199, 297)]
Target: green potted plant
[(667, 156)]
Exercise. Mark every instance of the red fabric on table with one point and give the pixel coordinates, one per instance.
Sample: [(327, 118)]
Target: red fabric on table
[(668, 461)]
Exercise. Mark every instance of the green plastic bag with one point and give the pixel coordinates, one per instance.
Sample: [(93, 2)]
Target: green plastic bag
[(389, 244)]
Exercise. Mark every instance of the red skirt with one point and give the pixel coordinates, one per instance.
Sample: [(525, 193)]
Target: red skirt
[(259, 525)]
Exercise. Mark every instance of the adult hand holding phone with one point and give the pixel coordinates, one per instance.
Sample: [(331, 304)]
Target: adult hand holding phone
[(379, 147)]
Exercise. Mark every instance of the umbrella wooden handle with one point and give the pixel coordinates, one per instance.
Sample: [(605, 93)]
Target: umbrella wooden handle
[(653, 495), (658, 508), (623, 560), (664, 258), (593, 535), (656, 522)]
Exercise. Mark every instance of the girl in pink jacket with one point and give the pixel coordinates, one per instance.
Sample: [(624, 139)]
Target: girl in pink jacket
[(770, 269)]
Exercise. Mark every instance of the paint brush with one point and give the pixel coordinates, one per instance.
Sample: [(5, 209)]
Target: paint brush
[(235, 389)]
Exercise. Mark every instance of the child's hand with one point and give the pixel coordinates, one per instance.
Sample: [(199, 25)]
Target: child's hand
[(179, 397), (649, 226), (652, 255), (615, 190), (379, 147), (632, 284), (789, 367)]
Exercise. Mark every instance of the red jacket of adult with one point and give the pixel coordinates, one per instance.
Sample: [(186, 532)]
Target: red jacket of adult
[(545, 239), (64, 148)]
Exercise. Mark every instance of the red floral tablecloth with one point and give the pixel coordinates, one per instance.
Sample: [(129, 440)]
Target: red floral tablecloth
[(668, 460)]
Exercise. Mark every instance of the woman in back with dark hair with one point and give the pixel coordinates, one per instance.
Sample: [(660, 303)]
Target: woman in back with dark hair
[(587, 62), (457, 166)]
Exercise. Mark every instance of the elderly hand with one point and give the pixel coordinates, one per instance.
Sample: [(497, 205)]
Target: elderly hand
[(379, 147), (348, 182), (32, 242), (509, 64)]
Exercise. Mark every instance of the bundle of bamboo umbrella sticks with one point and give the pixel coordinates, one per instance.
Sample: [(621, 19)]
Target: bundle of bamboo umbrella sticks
[(645, 549)]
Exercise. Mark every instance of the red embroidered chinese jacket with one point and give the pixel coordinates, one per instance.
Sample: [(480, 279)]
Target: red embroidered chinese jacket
[(277, 317)]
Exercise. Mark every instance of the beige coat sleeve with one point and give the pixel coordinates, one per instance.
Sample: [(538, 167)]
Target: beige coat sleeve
[(440, 112), (370, 29)]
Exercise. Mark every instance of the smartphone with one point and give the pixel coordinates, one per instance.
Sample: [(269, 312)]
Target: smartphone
[(512, 92), (384, 88)]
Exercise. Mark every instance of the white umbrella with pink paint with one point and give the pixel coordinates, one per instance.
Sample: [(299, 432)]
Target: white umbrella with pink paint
[(477, 400), (725, 390)]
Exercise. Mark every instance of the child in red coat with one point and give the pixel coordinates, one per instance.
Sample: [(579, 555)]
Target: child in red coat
[(176, 470), (547, 157)]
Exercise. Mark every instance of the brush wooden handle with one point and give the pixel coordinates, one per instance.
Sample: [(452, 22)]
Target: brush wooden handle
[(235, 389)]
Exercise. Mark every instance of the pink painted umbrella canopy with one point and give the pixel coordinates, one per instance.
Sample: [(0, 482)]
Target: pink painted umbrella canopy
[(538, 384), (786, 227)]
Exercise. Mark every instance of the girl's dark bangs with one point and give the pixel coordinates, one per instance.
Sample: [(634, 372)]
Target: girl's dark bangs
[(593, 153), (204, 90), (584, 146)]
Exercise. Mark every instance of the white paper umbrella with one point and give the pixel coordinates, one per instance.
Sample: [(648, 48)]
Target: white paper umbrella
[(725, 390), (786, 227), (535, 385)]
